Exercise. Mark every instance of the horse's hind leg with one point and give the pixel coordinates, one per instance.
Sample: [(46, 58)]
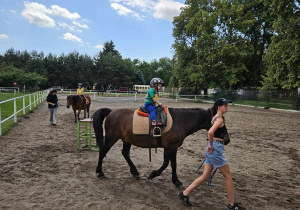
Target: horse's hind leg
[(163, 167), (75, 116), (126, 154), (103, 150), (79, 110)]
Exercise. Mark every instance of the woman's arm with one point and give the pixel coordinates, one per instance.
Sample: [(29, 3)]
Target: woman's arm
[(48, 102)]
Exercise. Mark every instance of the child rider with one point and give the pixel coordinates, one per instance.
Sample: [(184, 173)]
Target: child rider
[(152, 99)]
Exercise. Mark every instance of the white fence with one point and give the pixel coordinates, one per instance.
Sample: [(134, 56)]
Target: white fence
[(38, 98), (9, 89)]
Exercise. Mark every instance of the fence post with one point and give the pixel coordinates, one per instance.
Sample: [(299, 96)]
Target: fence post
[(195, 98), (23, 105), (70, 92), (94, 96), (135, 97), (176, 97), (34, 100), (15, 110), (0, 122), (30, 102)]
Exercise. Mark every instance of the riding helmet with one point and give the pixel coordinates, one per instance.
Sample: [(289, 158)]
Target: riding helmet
[(79, 84), (156, 80)]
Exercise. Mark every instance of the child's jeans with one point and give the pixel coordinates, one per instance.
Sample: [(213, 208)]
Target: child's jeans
[(152, 111)]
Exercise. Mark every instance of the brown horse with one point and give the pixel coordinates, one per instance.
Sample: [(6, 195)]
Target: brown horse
[(78, 104), (118, 125)]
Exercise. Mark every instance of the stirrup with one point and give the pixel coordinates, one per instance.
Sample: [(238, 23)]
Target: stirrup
[(156, 131)]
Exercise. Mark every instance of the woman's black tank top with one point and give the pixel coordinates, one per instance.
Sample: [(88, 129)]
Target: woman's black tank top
[(221, 131)]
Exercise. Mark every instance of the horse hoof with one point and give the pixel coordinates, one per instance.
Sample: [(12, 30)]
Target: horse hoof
[(102, 176), (178, 184), (152, 175), (136, 177)]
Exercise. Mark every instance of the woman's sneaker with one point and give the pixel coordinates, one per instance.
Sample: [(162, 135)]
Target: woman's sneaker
[(236, 206), (184, 199), (153, 122)]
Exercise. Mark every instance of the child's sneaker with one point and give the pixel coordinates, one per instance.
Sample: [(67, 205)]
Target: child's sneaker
[(184, 199), (236, 206), (153, 122)]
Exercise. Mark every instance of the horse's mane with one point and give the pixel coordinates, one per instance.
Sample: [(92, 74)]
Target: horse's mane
[(76, 98), (185, 109)]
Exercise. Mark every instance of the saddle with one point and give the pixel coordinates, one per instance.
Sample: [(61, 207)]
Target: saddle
[(142, 122), (161, 114), (86, 99)]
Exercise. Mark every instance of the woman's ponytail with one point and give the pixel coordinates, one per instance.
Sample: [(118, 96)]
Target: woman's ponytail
[(213, 111)]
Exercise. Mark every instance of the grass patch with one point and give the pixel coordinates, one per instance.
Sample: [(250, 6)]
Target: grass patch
[(279, 104), (7, 108)]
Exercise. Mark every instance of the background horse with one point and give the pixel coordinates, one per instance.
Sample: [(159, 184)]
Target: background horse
[(118, 125), (77, 104)]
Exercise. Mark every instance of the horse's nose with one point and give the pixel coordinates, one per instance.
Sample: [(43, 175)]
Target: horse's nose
[(68, 107)]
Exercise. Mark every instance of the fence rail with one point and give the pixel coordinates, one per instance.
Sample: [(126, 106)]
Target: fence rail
[(38, 98)]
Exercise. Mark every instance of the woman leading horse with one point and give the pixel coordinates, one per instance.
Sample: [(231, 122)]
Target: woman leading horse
[(118, 125)]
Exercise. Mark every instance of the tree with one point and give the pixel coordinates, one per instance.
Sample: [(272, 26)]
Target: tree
[(283, 55), (10, 74), (112, 69)]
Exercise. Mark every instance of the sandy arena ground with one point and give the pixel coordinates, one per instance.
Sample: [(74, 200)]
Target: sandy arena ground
[(40, 167)]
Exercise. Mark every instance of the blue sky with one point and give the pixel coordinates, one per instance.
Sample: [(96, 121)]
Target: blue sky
[(139, 28)]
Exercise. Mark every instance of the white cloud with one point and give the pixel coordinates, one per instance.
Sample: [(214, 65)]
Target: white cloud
[(3, 36), (6, 21), (79, 25), (71, 37), (167, 9), (38, 14), (99, 46), (144, 4), (59, 11), (161, 9), (12, 11), (66, 26), (124, 11)]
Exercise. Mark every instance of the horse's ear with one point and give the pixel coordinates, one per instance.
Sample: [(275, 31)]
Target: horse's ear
[(209, 113)]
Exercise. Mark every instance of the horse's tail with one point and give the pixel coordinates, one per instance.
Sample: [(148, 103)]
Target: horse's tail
[(98, 118)]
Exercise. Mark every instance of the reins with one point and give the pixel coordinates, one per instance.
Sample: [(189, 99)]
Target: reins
[(211, 176)]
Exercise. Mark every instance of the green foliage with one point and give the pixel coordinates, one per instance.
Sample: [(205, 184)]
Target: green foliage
[(221, 43), (10, 74), (283, 55)]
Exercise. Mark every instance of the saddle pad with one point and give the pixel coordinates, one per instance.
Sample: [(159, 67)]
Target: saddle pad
[(141, 124), (87, 100)]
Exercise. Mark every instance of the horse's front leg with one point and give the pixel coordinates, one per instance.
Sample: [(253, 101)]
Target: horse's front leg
[(163, 167), (126, 155), (175, 180), (84, 111)]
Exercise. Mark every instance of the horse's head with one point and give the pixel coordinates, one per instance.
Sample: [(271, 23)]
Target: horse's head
[(69, 101), (208, 121)]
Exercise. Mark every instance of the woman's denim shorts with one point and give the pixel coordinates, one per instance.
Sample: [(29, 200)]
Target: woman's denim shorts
[(217, 157)]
